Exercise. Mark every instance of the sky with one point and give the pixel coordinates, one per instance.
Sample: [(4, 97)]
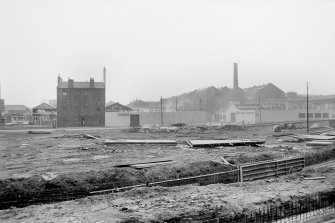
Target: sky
[(164, 47)]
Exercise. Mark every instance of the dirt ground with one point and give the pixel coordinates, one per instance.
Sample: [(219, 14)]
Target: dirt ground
[(23, 155), (159, 204), (68, 159)]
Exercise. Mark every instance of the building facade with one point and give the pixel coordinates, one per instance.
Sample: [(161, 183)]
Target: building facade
[(80, 103), (44, 114), (17, 114)]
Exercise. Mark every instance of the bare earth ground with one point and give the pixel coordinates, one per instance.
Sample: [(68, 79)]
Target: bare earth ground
[(24, 155), (159, 204), (63, 152)]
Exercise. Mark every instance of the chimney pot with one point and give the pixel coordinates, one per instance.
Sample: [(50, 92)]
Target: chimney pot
[(91, 82), (70, 83), (235, 75)]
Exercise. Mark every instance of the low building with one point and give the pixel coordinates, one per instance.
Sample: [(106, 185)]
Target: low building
[(239, 114), (17, 114), (44, 114)]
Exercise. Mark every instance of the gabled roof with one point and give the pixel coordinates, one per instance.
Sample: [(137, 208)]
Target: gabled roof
[(15, 108), (252, 91), (117, 105), (44, 106), (81, 84), (109, 103)]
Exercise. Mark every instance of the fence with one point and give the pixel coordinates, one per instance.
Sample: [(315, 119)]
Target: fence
[(246, 172), (301, 209), (267, 169), (58, 195)]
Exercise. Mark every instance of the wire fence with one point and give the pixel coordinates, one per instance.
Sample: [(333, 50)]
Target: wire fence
[(22, 199), (300, 209), (57, 195)]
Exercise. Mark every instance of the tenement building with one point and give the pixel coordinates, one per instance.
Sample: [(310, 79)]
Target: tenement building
[(81, 103)]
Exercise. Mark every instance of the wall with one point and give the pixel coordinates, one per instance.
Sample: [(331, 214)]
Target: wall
[(122, 119), (117, 119), (188, 117), (80, 104), (246, 117), (292, 115)]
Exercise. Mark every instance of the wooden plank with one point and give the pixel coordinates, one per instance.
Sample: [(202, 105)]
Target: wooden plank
[(150, 162), (319, 143), (314, 178), (224, 142), (316, 137), (141, 141)]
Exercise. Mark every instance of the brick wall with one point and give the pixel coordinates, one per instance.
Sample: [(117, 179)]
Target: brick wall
[(80, 107)]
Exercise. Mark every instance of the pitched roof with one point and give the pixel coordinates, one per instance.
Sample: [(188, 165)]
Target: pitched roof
[(252, 91), (81, 84), (44, 106), (109, 103), (15, 108), (117, 105)]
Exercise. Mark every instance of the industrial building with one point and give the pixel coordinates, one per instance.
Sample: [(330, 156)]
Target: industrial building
[(81, 103)]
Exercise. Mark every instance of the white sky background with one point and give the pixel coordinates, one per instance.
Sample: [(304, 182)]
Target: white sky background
[(164, 48)]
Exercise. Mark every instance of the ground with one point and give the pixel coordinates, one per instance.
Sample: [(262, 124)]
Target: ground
[(158, 204), (66, 158), (25, 155)]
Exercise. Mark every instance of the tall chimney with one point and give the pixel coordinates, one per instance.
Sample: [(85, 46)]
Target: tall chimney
[(235, 76)]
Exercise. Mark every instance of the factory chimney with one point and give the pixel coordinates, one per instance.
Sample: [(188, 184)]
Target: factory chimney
[(235, 76)]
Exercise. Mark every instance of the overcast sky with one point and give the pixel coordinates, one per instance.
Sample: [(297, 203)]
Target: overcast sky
[(164, 48)]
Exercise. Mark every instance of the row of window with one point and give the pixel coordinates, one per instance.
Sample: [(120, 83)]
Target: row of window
[(314, 115)]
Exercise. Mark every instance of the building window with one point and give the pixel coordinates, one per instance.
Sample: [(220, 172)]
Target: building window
[(302, 115), (98, 103), (64, 93), (325, 115), (317, 115), (310, 115)]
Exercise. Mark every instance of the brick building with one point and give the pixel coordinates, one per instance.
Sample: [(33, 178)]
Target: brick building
[(81, 103)]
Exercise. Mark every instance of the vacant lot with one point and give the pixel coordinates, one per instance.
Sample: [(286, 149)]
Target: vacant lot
[(68, 160)]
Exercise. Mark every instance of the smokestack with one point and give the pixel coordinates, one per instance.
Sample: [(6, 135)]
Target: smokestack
[(235, 76)]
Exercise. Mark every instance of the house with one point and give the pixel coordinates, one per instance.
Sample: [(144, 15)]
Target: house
[(81, 103), (17, 114), (44, 114)]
